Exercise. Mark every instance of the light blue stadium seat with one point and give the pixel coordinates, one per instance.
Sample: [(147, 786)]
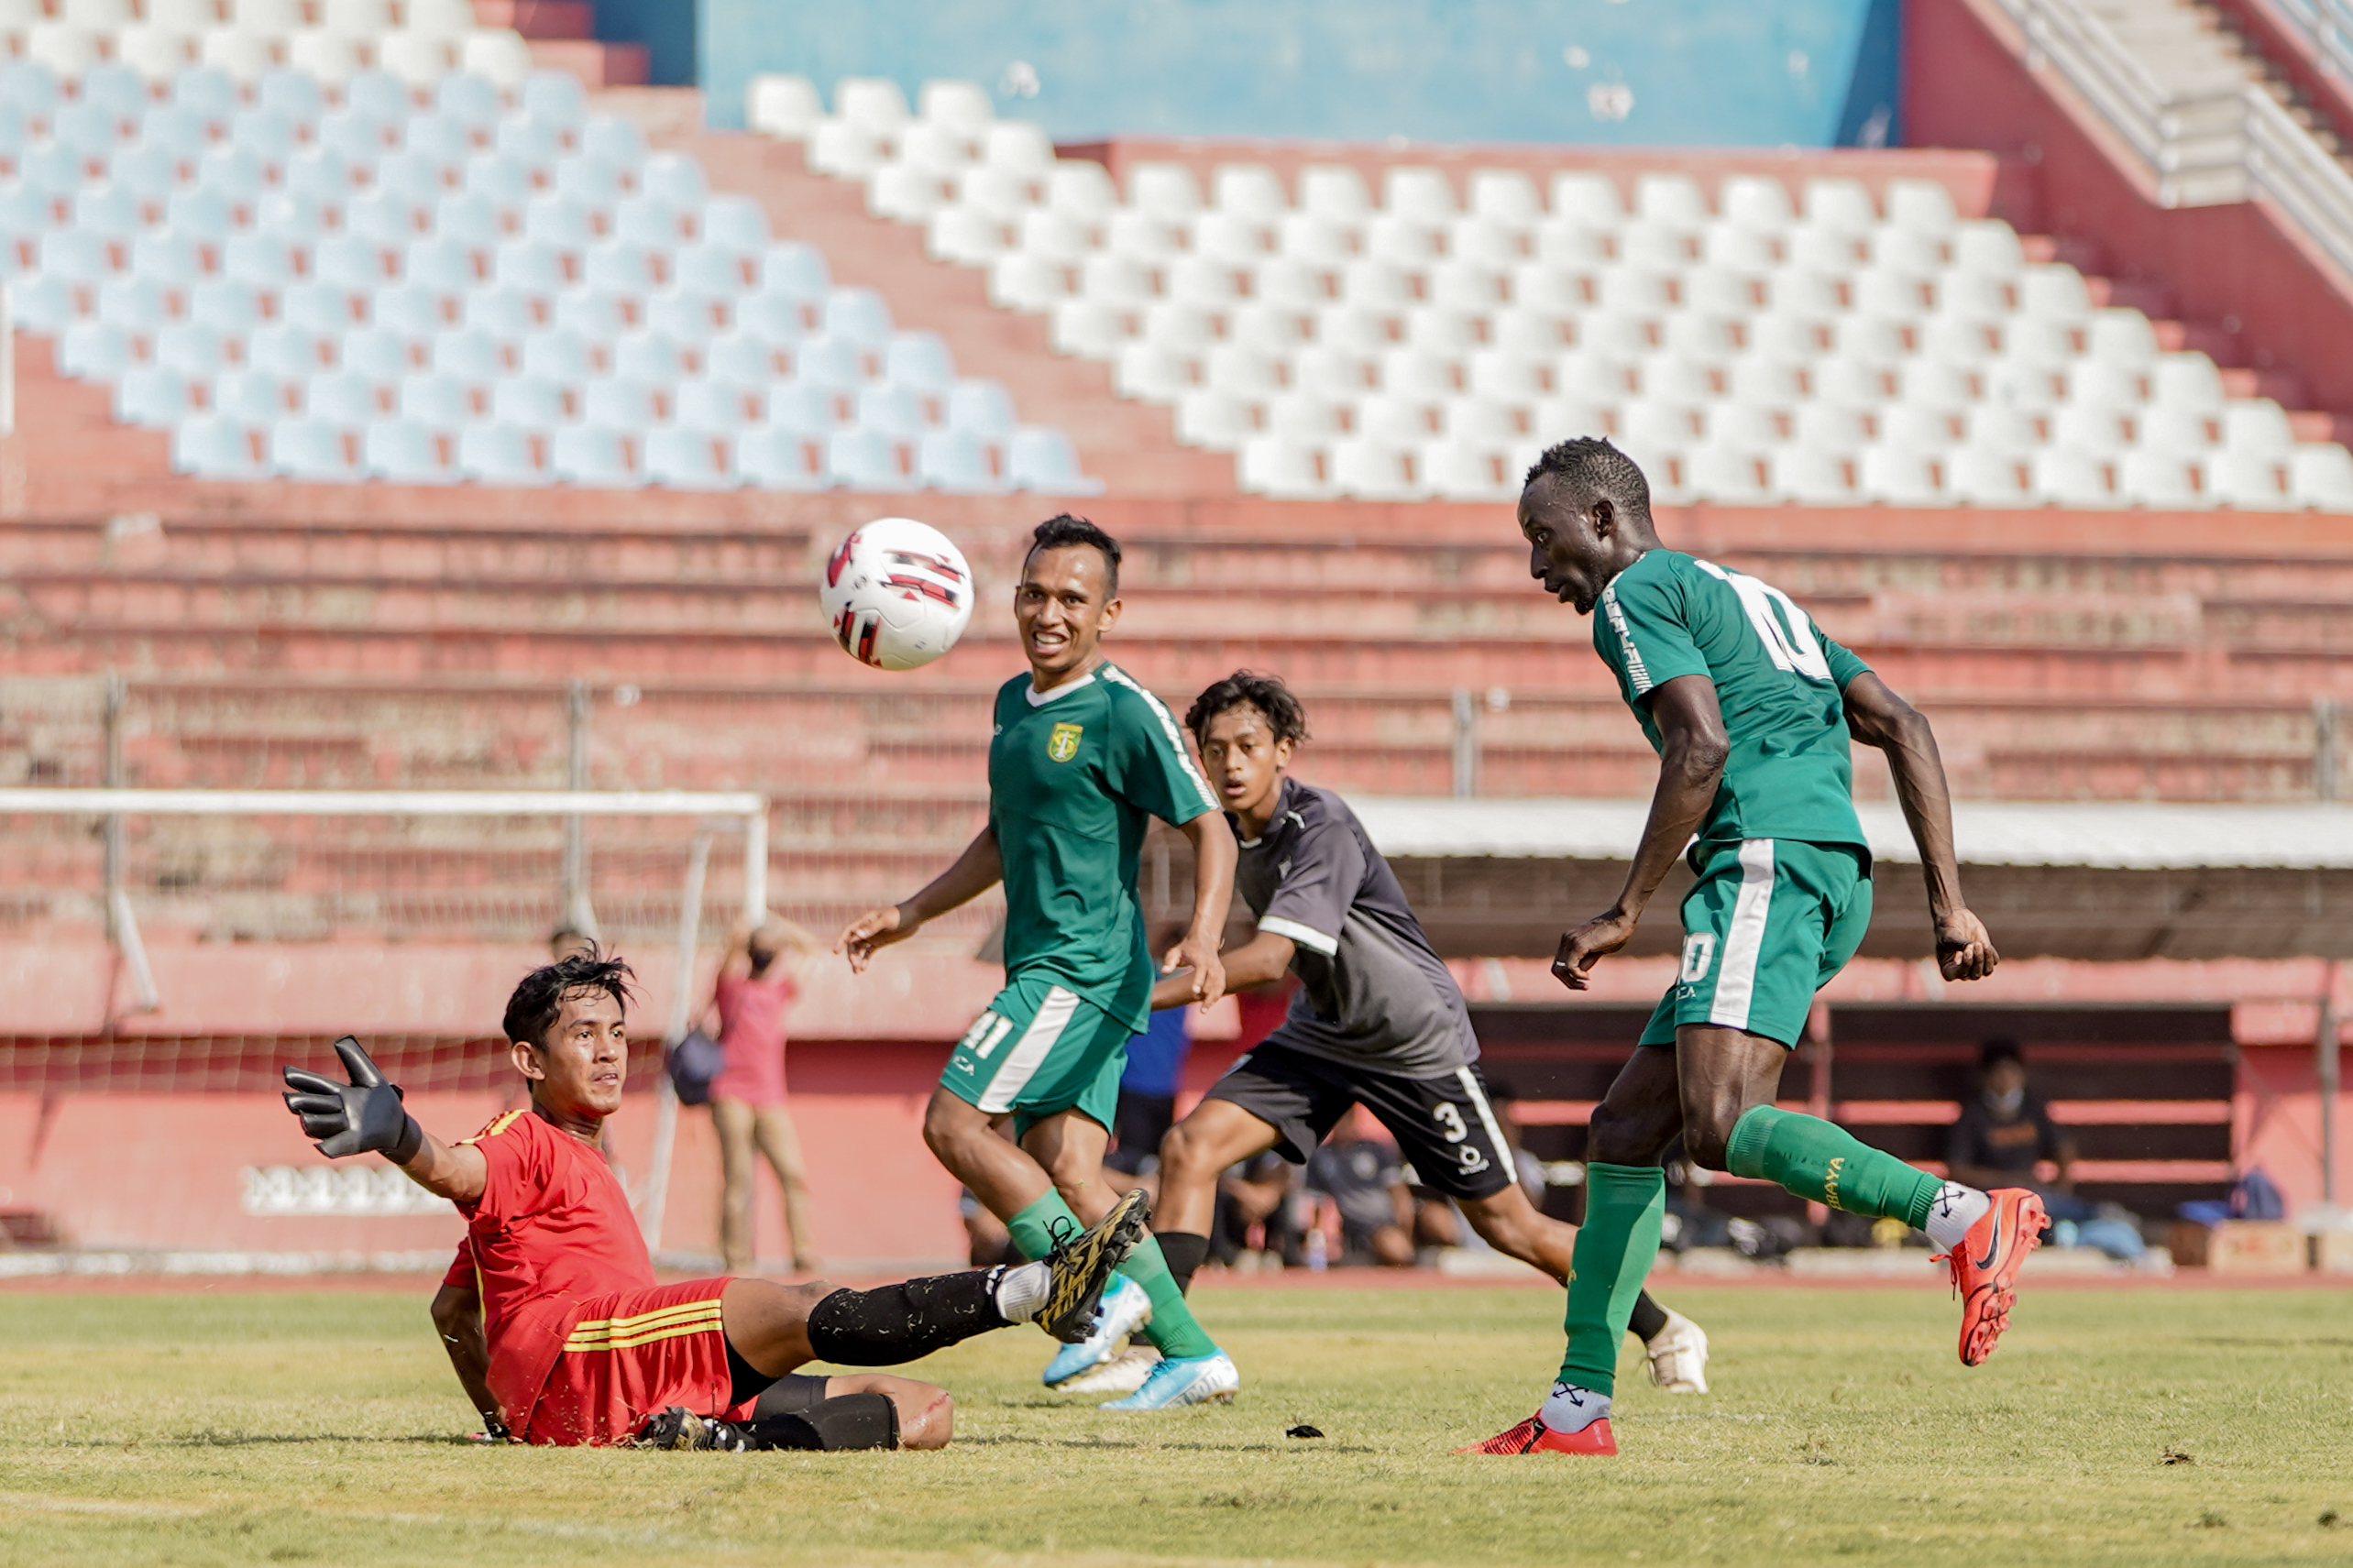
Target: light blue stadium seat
[(319, 172), (267, 135), (530, 265), (376, 95), (94, 351), (32, 84), (382, 354), (648, 221), (135, 304), (866, 460), (736, 224), (689, 318), (499, 178), (26, 213), (830, 362), (413, 175), (591, 456), (617, 141), (202, 90), (357, 139), (402, 452), (294, 93), (956, 461), (321, 308), (472, 100), (919, 359), (710, 406), (264, 260), (649, 356), (448, 142), (225, 305), (15, 130), (200, 214), (595, 313), (470, 355), (497, 454), (532, 144), (412, 310), (859, 316), (43, 302), (252, 397), (442, 264), (673, 177), (193, 348), (619, 266), (285, 350), (559, 355), (435, 400), (168, 257), (800, 406), (681, 458), (709, 270), (796, 269), (982, 409), (76, 256), (896, 411), (107, 211), (558, 220), (555, 97), (351, 262), (295, 216), (781, 459), (342, 397), (94, 131), (116, 88), (181, 132), (233, 173), (737, 360), (152, 398), (620, 404), (504, 314), (387, 218), (145, 170), (310, 450), (1042, 458), (212, 446), (590, 179), (53, 169), (531, 402), (470, 218)]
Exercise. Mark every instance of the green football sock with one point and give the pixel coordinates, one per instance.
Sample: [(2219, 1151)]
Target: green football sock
[(1828, 1165), (1174, 1330), (1037, 1229), (1615, 1247)]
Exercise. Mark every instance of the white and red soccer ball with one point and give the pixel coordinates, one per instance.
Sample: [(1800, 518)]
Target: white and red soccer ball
[(897, 594)]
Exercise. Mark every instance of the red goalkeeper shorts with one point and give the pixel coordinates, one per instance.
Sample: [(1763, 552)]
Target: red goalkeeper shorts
[(627, 1356)]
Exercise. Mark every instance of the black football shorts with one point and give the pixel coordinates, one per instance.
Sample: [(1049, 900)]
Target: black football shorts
[(1443, 1125)]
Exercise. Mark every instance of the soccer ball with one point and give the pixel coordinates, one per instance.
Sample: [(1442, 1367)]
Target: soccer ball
[(896, 593)]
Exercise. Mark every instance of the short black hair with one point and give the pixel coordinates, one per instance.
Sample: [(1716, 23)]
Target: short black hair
[(1248, 688), (538, 999), (1992, 1053), (1062, 529), (1590, 464)]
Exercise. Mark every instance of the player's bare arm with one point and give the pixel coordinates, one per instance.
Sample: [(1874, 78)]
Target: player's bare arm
[(1261, 961), (976, 870), (1690, 765), (457, 1323), (1213, 889), (1877, 716)]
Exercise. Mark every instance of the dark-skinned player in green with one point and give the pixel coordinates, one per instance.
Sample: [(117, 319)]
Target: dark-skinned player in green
[(1751, 708), (1082, 757)]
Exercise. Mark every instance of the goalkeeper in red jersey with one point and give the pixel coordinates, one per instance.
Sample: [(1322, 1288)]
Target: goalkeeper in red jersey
[(580, 1345)]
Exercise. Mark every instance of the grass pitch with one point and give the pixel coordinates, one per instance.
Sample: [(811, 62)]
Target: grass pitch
[(2131, 1426)]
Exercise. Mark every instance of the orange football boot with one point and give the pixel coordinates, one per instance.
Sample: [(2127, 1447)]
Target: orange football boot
[(1532, 1436), (1986, 1267)]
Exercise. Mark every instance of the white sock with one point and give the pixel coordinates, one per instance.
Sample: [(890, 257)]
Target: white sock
[(1020, 1289), (1955, 1209), (1571, 1408)]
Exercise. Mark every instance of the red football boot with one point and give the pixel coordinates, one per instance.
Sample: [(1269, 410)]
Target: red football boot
[(1986, 1267), (1532, 1436)]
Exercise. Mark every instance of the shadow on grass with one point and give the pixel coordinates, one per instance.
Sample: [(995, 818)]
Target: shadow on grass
[(1121, 1445), (210, 1438)]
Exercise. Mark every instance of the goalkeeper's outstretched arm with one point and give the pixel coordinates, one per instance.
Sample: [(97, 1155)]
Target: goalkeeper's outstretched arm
[(365, 1116)]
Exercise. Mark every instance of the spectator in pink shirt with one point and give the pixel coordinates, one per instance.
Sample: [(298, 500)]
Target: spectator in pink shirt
[(756, 984)]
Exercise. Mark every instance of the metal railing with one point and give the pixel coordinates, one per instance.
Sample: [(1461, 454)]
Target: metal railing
[(2205, 147)]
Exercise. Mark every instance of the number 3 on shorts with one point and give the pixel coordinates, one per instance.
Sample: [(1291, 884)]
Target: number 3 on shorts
[(1699, 952)]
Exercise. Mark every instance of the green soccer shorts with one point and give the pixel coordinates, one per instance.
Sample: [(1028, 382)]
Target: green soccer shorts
[(1768, 924), (1039, 1048)]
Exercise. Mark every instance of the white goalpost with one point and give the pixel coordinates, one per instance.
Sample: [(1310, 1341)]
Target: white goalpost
[(404, 864)]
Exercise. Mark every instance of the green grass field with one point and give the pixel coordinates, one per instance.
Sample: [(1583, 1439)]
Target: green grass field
[(2133, 1428)]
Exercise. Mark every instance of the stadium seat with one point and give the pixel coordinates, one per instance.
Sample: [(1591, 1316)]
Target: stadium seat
[(1041, 459), (2067, 476), (709, 407), (210, 446), (2249, 481), (95, 351), (649, 356), (829, 362), (683, 458), (741, 361), (505, 314), (491, 453), (1728, 474), (192, 348), (779, 320), (1215, 420), (311, 449), (496, 57), (1813, 475), (784, 107), (135, 304), (471, 355), (1898, 476), (153, 398), (981, 407), (894, 411), (527, 402), (434, 400), (619, 402), (781, 459), (2320, 476), (866, 460), (560, 357), (1989, 475)]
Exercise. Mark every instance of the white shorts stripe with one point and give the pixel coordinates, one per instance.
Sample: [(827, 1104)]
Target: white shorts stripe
[(1503, 1158), (1022, 1062), (1743, 937)]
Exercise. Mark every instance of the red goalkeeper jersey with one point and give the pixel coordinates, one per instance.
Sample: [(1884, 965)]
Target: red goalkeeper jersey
[(552, 1230)]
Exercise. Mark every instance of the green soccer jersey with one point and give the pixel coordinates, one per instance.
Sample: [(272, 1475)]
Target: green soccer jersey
[(1073, 774), (1778, 680)]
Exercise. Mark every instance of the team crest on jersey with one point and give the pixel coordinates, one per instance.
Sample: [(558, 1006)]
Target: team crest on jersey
[(1064, 743)]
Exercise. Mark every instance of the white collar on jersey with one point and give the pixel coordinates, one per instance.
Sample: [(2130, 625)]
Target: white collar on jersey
[(1039, 699)]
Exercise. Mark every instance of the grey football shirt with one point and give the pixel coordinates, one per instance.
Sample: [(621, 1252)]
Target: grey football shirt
[(1372, 993)]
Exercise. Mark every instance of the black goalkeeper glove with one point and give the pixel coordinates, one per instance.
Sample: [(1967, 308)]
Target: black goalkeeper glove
[(358, 1117)]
